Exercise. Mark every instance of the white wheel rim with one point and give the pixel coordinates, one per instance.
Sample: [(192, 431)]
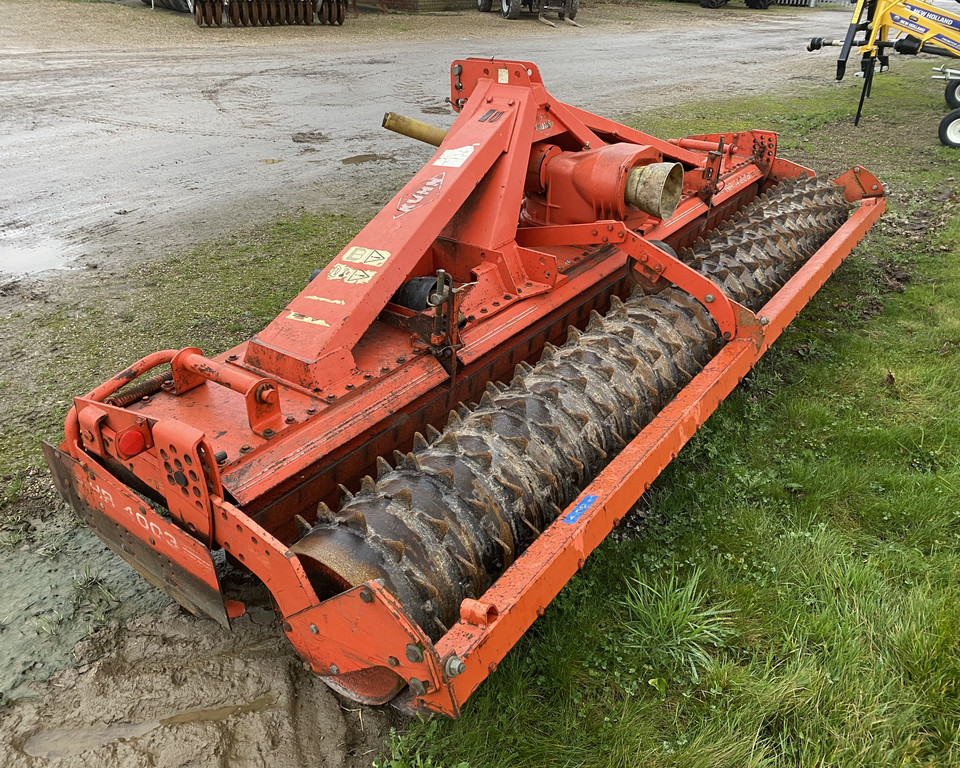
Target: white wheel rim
[(505, 5), (953, 132), (956, 90)]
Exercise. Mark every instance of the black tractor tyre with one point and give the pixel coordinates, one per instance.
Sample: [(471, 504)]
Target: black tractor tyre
[(952, 94), (950, 130), (712, 4), (759, 5), (570, 8), (484, 6), (510, 9)]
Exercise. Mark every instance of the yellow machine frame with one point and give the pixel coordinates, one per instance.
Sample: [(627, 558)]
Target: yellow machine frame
[(908, 27)]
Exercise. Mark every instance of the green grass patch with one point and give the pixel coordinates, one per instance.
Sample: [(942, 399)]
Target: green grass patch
[(212, 297), (793, 598)]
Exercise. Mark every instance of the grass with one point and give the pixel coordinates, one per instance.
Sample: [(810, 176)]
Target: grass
[(211, 297), (794, 598)]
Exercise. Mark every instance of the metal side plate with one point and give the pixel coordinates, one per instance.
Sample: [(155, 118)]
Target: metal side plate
[(162, 553)]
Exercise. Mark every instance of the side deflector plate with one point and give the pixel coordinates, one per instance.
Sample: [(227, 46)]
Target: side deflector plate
[(162, 553)]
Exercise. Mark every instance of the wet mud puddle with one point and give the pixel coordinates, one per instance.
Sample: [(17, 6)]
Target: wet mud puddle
[(16, 259), (369, 158), (66, 742)]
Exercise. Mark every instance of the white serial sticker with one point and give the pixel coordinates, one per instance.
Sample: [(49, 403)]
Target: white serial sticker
[(454, 158), (350, 275), (503, 76), (307, 319), (371, 257)]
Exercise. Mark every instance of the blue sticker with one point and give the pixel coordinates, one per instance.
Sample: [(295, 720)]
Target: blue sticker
[(908, 24), (577, 512), (947, 42)]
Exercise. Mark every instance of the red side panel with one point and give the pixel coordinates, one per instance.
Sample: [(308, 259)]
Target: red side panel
[(162, 553)]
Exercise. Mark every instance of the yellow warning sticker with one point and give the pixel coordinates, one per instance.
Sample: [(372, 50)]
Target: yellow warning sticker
[(307, 319), (325, 300), (350, 275), (371, 257)]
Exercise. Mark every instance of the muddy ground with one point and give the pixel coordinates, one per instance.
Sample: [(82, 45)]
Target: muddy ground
[(127, 135)]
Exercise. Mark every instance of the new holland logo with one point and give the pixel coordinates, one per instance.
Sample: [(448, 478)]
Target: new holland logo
[(427, 192)]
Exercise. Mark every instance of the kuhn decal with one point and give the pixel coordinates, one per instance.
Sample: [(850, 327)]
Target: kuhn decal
[(426, 193)]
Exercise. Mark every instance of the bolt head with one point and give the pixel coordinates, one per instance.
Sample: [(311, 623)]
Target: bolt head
[(366, 595), (313, 629), (417, 688), (414, 654), (455, 666), (334, 670), (709, 298)]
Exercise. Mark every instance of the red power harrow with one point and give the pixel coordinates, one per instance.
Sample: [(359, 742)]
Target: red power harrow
[(595, 292)]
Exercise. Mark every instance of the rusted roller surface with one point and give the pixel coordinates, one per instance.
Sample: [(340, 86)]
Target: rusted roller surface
[(452, 515)]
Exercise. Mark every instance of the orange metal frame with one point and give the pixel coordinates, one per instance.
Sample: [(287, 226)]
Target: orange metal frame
[(277, 422)]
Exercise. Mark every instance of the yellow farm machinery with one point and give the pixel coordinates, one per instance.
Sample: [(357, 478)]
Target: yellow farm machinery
[(907, 28)]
